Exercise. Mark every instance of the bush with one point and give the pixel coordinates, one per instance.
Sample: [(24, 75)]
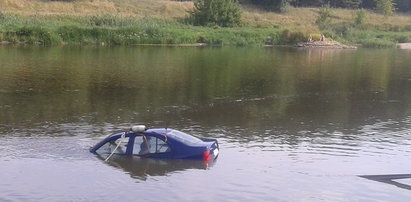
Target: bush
[(324, 17), (385, 7), (342, 29), (360, 18), (71, 33), (402, 39), (316, 37), (224, 13), (350, 3), (284, 6), (288, 37), (32, 35), (102, 20)]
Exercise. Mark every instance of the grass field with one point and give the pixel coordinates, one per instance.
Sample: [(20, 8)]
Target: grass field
[(162, 21), (134, 8)]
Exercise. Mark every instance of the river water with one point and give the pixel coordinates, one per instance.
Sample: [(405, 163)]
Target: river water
[(293, 124)]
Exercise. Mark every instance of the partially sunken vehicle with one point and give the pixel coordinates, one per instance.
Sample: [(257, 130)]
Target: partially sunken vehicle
[(157, 143)]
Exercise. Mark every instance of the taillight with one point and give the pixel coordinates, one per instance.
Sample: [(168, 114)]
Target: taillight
[(206, 155)]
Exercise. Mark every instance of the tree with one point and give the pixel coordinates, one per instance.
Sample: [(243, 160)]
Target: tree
[(360, 18), (283, 5), (272, 5), (324, 16), (225, 13), (350, 3), (386, 7)]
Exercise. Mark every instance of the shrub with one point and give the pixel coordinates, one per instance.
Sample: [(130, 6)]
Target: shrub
[(350, 3), (342, 29), (402, 39), (32, 35), (324, 17), (316, 37), (288, 37), (385, 7), (71, 34), (360, 18), (225, 13), (284, 6)]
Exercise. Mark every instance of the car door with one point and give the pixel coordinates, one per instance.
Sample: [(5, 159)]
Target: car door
[(149, 146)]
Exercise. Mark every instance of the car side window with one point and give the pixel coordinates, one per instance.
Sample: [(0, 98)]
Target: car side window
[(149, 145), (110, 146)]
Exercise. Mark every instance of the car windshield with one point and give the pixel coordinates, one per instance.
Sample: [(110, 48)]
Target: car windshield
[(183, 137), (118, 146)]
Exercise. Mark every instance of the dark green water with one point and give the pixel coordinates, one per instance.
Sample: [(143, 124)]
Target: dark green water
[(293, 124)]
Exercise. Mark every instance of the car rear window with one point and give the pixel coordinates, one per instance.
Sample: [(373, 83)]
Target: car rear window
[(183, 137)]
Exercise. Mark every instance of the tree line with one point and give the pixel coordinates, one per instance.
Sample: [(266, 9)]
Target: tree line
[(399, 5), (281, 5)]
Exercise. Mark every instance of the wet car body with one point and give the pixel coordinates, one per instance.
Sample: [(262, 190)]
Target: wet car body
[(144, 168), (158, 143)]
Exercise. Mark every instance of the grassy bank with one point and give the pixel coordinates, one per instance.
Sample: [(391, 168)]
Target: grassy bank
[(127, 22), (125, 30)]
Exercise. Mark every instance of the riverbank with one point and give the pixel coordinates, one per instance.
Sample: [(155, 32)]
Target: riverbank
[(113, 22), (112, 31), (324, 44), (115, 30)]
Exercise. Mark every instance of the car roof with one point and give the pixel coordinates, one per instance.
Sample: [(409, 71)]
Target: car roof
[(177, 135)]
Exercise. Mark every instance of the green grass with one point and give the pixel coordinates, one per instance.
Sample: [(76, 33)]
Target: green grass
[(121, 30), (367, 36)]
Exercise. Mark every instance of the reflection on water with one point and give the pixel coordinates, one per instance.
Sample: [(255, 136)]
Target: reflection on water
[(292, 123), (142, 168)]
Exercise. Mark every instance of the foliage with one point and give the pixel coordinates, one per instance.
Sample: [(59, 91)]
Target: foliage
[(360, 18), (31, 35), (316, 37), (123, 31), (385, 7), (350, 3), (113, 29), (377, 43), (283, 6), (224, 13), (271, 5), (324, 16), (275, 5), (289, 37)]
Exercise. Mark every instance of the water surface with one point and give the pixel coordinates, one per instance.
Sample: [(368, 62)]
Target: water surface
[(293, 124)]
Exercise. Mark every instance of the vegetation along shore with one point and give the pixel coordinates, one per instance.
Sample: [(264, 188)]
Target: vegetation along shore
[(368, 23)]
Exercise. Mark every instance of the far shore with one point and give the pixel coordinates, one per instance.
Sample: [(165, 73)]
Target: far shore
[(309, 45)]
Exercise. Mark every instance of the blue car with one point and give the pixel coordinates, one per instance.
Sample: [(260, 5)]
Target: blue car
[(157, 143)]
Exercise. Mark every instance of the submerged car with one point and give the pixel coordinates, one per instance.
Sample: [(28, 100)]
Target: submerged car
[(157, 143), (144, 168)]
